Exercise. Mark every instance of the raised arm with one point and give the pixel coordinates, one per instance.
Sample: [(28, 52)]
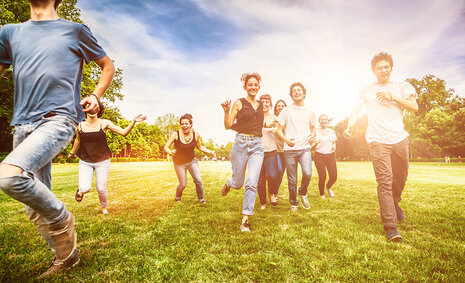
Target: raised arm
[(108, 72), (124, 132), (168, 144), (230, 117), (202, 148)]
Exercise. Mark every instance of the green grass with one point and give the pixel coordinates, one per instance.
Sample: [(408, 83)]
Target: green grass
[(149, 237)]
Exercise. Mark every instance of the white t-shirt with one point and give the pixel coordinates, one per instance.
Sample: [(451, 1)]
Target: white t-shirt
[(385, 119), (296, 121), (324, 143), (269, 138)]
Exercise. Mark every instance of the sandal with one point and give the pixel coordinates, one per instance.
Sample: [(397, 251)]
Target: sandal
[(78, 197)]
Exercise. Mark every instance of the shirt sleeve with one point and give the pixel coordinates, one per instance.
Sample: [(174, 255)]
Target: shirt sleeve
[(282, 118), (5, 57), (408, 90), (88, 46)]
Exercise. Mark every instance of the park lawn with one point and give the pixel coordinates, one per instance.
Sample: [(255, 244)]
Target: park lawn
[(149, 237)]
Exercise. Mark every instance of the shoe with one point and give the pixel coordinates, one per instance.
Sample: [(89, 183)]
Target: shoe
[(78, 197), (322, 197), (263, 207), (64, 239), (294, 208), (245, 227), (105, 211), (331, 193), (393, 236), (202, 201), (177, 200), (225, 189), (57, 267), (274, 203), (400, 213), (305, 202)]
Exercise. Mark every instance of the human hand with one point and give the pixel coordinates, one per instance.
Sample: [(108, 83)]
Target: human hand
[(90, 104), (290, 142), (226, 105), (71, 155), (140, 118), (348, 133), (172, 152), (384, 96), (311, 138)]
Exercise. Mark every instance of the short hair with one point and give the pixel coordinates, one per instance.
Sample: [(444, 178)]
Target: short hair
[(186, 116), (380, 57), (266, 96), (247, 76), (57, 2), (275, 112), (297, 84)]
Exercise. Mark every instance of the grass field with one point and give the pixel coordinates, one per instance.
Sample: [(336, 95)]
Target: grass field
[(149, 237)]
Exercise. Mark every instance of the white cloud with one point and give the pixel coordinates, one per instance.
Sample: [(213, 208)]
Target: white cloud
[(326, 45)]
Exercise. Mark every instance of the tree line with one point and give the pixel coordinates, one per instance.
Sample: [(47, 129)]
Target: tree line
[(436, 130)]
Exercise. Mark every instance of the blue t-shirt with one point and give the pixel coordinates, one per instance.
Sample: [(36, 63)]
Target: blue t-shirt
[(47, 59)]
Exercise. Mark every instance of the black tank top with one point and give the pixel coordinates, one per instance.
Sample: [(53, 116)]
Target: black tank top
[(248, 120), (184, 152), (93, 146)]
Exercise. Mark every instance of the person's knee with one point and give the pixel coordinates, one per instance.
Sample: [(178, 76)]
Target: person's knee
[(84, 189), (7, 170)]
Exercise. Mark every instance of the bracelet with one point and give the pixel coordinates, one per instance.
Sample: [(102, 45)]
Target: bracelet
[(98, 99)]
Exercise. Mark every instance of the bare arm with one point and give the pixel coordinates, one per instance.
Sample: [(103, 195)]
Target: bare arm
[(168, 144), (2, 69), (352, 119), (76, 144), (124, 132), (230, 117), (280, 133), (410, 103), (202, 148), (108, 72)]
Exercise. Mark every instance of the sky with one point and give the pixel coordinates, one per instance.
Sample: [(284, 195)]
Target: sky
[(187, 56)]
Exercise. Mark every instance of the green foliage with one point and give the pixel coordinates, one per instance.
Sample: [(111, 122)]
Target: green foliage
[(147, 237), (356, 148)]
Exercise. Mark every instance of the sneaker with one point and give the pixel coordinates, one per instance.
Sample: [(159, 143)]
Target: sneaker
[(305, 202), (331, 193), (177, 200), (78, 197), (64, 239), (245, 227), (57, 267), (105, 211), (202, 201), (263, 207), (393, 236), (400, 213), (225, 189), (294, 208), (322, 197)]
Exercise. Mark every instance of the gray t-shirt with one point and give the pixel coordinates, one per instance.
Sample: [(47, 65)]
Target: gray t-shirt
[(385, 119), (47, 59)]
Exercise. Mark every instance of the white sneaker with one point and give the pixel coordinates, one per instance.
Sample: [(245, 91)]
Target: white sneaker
[(294, 208), (305, 202), (331, 193), (245, 227), (322, 197)]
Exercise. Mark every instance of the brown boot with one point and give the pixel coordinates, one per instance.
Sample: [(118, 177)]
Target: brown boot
[(56, 268), (64, 239)]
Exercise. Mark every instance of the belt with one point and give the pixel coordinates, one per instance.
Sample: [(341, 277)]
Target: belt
[(50, 114)]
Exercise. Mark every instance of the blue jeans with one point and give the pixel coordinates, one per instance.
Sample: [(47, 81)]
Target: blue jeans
[(194, 169), (34, 147), (268, 173), (281, 168), (293, 157), (246, 151)]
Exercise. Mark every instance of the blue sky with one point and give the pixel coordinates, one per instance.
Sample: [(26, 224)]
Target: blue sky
[(188, 56)]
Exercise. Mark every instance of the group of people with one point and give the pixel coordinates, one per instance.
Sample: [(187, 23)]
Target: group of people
[(47, 55)]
